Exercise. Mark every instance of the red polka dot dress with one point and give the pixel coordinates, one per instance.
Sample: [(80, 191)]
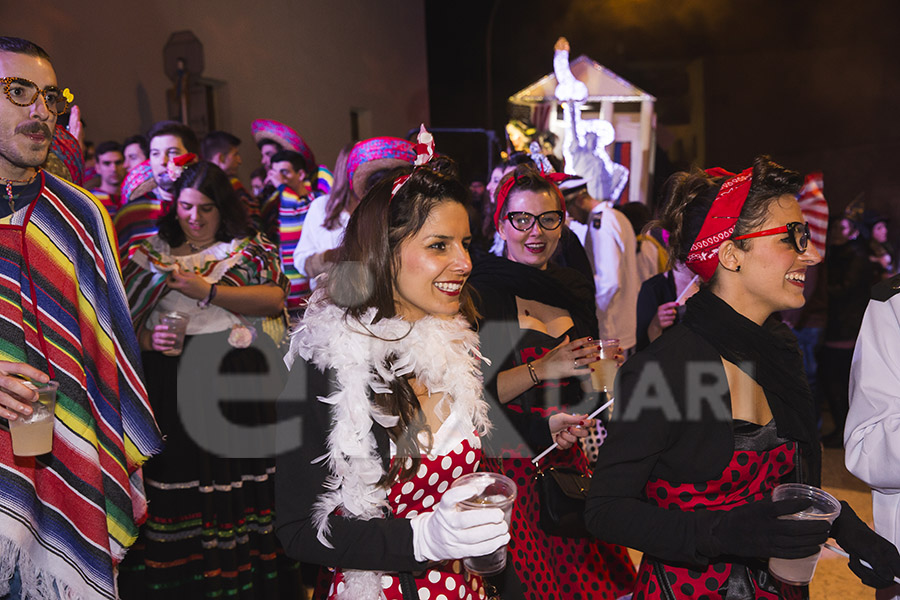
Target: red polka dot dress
[(449, 579), (760, 462), (555, 567)]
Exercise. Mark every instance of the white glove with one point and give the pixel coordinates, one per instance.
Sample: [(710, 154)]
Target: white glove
[(447, 533)]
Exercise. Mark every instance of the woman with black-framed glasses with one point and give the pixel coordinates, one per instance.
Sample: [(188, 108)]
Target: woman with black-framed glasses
[(537, 327), (717, 412)]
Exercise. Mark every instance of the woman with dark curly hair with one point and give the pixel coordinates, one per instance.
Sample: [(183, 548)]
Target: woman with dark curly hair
[(717, 411), (209, 530)]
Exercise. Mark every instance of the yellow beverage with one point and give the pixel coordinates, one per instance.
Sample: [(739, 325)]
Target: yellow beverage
[(32, 435), (603, 375), (32, 439)]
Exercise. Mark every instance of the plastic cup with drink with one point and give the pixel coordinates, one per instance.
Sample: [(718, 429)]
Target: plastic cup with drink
[(497, 491), (32, 435), (799, 571), (603, 371), (177, 323)]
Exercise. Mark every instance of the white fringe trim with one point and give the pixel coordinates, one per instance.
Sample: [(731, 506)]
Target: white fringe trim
[(37, 584)]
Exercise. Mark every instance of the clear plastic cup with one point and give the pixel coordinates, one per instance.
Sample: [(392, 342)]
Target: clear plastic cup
[(177, 323), (32, 435), (825, 507), (497, 491), (603, 373)]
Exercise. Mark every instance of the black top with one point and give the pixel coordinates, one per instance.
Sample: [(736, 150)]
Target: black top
[(22, 195), (851, 276), (655, 292), (377, 544), (660, 430), (497, 283), (673, 421)]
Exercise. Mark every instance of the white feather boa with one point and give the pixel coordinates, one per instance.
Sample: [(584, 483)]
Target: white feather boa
[(442, 353)]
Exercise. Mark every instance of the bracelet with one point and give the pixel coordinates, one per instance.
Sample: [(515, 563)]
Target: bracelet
[(212, 294), (533, 373)]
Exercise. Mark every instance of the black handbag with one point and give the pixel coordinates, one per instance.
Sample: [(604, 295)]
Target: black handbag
[(562, 493)]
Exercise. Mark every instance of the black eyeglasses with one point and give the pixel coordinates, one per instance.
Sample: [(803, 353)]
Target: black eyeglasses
[(798, 234), (524, 221), (23, 92)]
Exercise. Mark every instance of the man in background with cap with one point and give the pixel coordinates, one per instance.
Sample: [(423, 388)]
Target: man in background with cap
[(611, 246), (66, 516)]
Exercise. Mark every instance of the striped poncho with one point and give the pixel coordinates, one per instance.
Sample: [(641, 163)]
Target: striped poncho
[(136, 221), (284, 213), (66, 518)]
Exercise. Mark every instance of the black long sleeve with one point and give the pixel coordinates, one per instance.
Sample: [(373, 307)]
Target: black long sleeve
[(378, 544), (656, 442)]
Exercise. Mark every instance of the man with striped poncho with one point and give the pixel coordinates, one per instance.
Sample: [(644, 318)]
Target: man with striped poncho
[(66, 517)]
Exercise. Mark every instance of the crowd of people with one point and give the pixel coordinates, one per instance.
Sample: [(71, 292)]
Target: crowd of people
[(359, 337)]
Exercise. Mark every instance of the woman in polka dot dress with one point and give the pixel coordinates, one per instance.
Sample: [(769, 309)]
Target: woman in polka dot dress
[(716, 412), (385, 409), (537, 328)]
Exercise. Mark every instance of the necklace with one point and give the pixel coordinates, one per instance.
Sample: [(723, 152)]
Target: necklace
[(9, 191), (198, 248)]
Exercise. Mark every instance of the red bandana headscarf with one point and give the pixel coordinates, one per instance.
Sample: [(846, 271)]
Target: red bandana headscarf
[(503, 192), (719, 223)]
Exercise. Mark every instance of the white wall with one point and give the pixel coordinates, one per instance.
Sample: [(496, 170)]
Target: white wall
[(305, 63)]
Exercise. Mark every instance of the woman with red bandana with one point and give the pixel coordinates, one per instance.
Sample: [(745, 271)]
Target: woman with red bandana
[(537, 328), (716, 412)]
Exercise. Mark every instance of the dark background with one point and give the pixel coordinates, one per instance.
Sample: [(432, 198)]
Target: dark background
[(813, 84)]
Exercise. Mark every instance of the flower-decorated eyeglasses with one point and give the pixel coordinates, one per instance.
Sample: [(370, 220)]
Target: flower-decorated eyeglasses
[(798, 234), (23, 92)]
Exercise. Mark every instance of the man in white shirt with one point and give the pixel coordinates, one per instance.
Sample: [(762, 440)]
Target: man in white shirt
[(608, 239), (872, 431)]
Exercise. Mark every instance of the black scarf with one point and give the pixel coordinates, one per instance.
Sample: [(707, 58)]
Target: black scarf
[(557, 286), (776, 363)]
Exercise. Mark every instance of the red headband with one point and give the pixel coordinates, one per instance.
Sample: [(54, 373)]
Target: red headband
[(503, 192), (719, 223)]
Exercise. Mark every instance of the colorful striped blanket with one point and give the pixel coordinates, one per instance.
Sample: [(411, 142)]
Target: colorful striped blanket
[(66, 518), (136, 221), (112, 202)]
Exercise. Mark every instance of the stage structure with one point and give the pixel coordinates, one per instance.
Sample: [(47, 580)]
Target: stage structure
[(629, 108)]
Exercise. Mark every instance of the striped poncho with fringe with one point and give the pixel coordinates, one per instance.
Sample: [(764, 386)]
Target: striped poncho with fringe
[(66, 518)]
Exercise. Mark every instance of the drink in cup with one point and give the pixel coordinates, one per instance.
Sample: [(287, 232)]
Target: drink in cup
[(603, 372), (32, 435), (799, 571), (177, 323), (497, 491)]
